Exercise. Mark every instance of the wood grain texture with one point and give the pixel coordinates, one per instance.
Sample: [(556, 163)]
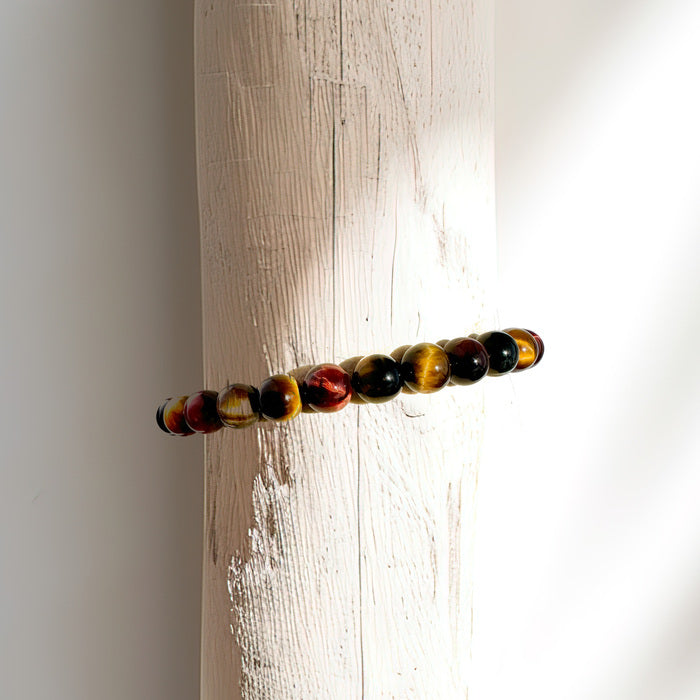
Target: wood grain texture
[(346, 198)]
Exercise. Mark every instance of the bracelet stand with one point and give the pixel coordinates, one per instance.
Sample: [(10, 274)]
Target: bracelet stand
[(345, 167)]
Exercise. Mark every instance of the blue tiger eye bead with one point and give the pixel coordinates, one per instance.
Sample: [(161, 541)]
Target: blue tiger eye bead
[(502, 351)]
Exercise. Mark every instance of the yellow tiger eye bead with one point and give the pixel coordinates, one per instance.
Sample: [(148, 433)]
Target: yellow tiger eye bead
[(527, 345), (279, 398), (238, 405), (425, 368), (173, 416)]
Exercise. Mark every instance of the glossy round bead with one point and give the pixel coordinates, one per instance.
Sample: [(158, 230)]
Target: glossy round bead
[(502, 351), (238, 405), (159, 417), (201, 414), (527, 348), (326, 388), (279, 397), (425, 368), (540, 347), (377, 378), (174, 417), (469, 360)]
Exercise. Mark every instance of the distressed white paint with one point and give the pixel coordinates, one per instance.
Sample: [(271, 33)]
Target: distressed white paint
[(346, 196)]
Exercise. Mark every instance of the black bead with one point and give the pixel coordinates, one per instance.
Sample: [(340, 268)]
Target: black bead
[(377, 378), (159, 417), (502, 350)]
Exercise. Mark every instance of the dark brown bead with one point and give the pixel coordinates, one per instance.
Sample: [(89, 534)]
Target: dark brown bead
[(502, 350), (201, 414), (540, 347), (527, 348), (238, 405), (326, 388), (174, 418), (469, 360), (377, 378), (425, 368), (279, 398)]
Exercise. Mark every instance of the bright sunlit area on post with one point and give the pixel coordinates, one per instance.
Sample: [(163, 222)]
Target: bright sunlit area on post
[(588, 575)]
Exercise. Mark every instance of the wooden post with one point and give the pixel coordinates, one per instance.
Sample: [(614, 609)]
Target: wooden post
[(345, 172)]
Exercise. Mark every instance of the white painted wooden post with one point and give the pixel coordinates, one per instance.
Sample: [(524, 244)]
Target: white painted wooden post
[(346, 193)]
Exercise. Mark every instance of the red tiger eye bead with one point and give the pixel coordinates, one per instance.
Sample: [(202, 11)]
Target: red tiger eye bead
[(540, 346), (469, 360), (174, 418), (201, 414), (326, 388)]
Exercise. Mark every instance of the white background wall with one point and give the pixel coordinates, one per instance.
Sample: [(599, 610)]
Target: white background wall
[(588, 576)]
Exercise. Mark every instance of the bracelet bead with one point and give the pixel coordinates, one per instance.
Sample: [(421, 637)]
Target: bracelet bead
[(159, 417), (377, 378), (502, 351), (326, 388), (425, 368), (174, 418), (540, 347), (527, 348), (201, 414), (279, 398), (469, 360), (238, 405)]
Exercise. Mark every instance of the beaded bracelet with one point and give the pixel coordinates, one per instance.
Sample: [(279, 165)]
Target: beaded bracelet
[(423, 368)]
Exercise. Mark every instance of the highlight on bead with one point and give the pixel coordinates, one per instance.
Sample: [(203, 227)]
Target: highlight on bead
[(423, 368)]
